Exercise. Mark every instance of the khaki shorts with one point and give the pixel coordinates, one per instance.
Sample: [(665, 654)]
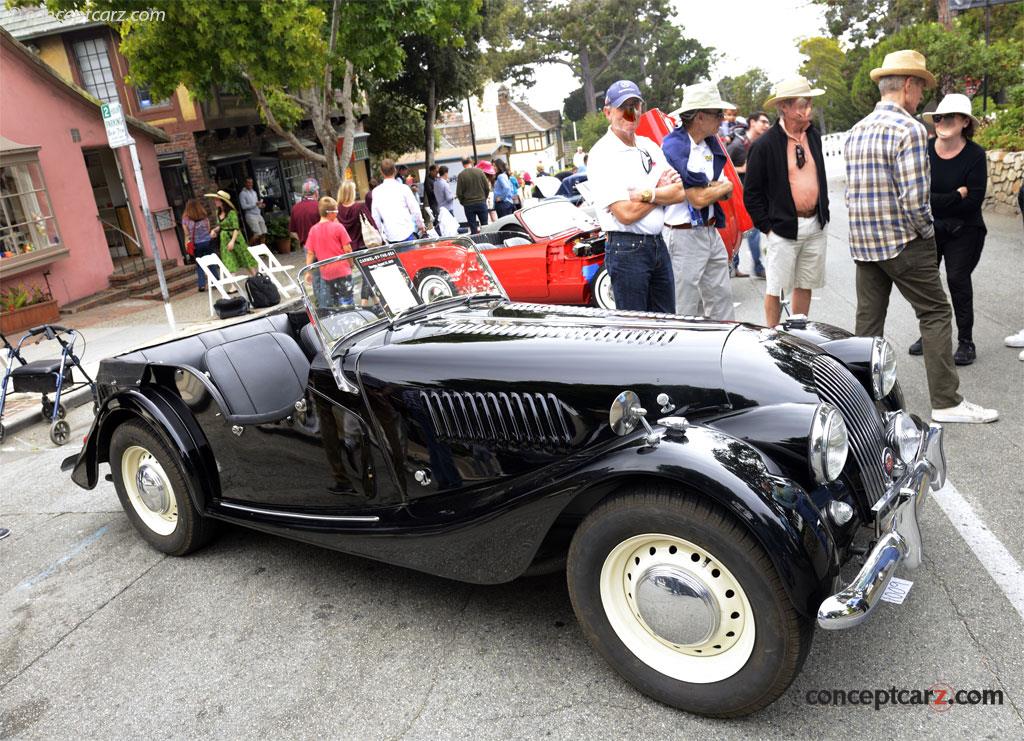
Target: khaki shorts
[(795, 263)]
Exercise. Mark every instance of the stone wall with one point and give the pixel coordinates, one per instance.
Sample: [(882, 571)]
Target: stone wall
[(1005, 172)]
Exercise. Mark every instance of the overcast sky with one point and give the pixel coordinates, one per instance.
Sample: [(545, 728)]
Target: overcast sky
[(747, 33)]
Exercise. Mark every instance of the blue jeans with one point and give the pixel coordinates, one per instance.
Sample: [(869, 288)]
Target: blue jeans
[(476, 216), (641, 272), (209, 247), (504, 208), (754, 242)]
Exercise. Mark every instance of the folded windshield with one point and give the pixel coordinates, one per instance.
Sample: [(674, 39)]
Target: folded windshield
[(555, 217), (350, 291)]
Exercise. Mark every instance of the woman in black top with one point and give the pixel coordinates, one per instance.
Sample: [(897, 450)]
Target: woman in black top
[(959, 178)]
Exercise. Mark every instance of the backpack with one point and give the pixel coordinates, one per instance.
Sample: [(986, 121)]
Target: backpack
[(262, 292)]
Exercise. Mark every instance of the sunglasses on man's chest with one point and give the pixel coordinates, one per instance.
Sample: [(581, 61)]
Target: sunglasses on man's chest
[(801, 156)]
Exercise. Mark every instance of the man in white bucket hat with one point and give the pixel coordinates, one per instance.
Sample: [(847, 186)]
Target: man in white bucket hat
[(892, 237), (786, 195), (700, 262)]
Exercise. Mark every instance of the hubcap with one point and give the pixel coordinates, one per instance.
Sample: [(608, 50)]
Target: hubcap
[(149, 490), (677, 608)]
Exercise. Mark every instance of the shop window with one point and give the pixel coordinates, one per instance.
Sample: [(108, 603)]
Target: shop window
[(295, 173), (94, 66), (27, 223)]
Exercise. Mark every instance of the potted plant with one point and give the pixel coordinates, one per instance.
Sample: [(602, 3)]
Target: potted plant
[(278, 234), (24, 306)]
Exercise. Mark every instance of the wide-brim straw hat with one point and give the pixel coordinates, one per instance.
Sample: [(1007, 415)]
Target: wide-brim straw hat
[(904, 62), (701, 95), (954, 103), (794, 87), (222, 195)]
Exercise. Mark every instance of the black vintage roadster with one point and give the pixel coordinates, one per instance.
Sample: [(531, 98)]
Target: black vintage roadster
[(701, 483)]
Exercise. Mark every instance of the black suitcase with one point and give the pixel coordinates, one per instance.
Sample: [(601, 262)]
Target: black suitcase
[(229, 307)]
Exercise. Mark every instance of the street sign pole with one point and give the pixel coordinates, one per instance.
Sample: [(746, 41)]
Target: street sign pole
[(117, 136), (151, 233)]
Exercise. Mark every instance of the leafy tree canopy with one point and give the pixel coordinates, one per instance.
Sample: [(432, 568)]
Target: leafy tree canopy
[(747, 91)]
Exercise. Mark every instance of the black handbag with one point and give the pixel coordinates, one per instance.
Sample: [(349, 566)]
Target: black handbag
[(229, 307)]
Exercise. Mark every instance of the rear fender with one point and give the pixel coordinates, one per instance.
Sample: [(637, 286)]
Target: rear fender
[(739, 478), (169, 417)]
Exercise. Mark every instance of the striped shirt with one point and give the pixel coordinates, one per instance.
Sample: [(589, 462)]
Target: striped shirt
[(887, 183)]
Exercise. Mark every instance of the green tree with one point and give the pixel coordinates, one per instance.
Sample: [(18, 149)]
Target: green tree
[(601, 42), (298, 58), (747, 91), (827, 67), (591, 128), (861, 22)]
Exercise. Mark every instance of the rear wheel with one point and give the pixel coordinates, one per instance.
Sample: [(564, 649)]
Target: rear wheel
[(434, 286), (151, 484), (47, 412), (682, 601), (601, 289)]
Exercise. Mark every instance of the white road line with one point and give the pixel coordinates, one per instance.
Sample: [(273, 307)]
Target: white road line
[(998, 562)]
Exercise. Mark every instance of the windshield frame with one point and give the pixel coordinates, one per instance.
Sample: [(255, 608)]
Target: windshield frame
[(523, 216), (390, 318)]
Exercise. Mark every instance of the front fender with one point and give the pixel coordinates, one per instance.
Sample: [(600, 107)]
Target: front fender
[(740, 479), (170, 418)]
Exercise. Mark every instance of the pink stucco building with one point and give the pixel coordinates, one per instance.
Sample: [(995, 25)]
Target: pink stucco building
[(69, 208)]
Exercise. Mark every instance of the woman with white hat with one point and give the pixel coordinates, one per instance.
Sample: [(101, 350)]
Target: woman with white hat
[(959, 177)]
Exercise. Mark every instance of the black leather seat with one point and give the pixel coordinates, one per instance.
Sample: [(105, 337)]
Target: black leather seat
[(37, 368), (260, 377)]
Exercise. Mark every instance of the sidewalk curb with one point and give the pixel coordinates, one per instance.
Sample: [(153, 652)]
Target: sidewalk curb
[(27, 418)]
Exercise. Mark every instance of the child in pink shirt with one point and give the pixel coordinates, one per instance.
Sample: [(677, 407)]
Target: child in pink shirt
[(327, 239)]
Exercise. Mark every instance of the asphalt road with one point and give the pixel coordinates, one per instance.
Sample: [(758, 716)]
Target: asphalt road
[(103, 637)]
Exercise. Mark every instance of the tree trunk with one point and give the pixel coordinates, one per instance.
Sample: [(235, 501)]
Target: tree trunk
[(428, 123), (349, 133), (589, 94)]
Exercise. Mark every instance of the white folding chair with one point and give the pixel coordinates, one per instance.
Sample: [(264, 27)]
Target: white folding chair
[(269, 265), (207, 263)]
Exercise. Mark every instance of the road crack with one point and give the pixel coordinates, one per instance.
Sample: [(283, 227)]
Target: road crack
[(977, 642), (76, 626)]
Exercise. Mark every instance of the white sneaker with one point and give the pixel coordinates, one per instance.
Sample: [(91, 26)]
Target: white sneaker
[(1020, 355), (1015, 340), (965, 411)]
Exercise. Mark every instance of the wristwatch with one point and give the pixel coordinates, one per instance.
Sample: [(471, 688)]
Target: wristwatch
[(647, 196)]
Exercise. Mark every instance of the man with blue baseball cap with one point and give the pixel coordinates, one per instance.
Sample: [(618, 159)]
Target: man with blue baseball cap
[(632, 183)]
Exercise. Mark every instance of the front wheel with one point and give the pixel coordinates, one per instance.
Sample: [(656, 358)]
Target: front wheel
[(683, 603), (601, 290), (151, 484)]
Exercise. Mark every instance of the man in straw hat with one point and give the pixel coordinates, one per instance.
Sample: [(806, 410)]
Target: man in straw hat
[(700, 261), (892, 237), (786, 195), (632, 183)]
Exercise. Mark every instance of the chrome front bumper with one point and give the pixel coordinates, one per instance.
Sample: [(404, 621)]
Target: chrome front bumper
[(899, 537)]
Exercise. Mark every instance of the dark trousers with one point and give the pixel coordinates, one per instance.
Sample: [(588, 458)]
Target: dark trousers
[(641, 272), (962, 251), (504, 208), (476, 216), (915, 272), (209, 247)]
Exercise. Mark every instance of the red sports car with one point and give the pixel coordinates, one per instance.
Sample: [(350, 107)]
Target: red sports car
[(550, 253)]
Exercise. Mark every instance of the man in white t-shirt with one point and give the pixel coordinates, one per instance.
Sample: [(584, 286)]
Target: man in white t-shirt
[(395, 208), (700, 262), (631, 185)]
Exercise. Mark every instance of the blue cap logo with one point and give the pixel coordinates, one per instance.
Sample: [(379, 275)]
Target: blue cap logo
[(621, 91)]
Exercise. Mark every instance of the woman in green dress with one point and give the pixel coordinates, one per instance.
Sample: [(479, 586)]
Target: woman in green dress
[(234, 251)]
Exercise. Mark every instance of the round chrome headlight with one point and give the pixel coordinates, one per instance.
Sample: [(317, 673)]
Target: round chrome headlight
[(903, 434), (829, 443), (883, 368)]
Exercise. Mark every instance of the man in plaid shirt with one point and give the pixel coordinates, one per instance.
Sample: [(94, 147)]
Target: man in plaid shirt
[(892, 239)]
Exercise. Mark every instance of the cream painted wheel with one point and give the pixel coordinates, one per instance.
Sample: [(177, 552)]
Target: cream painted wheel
[(153, 485), (677, 608), (149, 490)]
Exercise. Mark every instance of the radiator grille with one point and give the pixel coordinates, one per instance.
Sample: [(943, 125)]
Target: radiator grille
[(628, 336), (514, 419), (867, 434)]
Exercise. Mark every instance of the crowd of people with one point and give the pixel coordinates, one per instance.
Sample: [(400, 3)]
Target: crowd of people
[(914, 201)]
